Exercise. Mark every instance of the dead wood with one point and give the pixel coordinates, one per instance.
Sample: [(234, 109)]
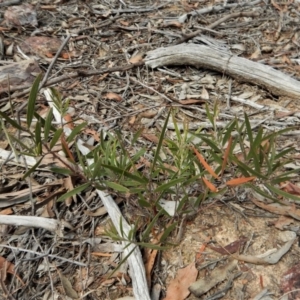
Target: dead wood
[(240, 68)]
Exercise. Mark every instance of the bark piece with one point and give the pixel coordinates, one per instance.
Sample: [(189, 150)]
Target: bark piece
[(16, 74), (240, 68)]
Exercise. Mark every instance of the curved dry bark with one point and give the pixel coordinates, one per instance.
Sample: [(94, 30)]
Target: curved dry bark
[(240, 68)]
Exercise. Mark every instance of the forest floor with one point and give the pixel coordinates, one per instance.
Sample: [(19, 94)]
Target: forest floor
[(101, 71)]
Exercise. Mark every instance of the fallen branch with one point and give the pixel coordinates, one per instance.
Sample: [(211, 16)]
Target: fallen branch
[(36, 222), (240, 68)]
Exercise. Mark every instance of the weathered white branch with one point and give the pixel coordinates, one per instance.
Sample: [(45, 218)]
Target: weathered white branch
[(240, 68), (27, 221)]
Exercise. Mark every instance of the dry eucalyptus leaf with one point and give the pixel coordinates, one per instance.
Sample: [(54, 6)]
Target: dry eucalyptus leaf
[(113, 96), (179, 286), (70, 292), (136, 58)]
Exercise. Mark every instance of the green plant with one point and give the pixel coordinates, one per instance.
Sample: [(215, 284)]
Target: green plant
[(246, 158), (177, 170)]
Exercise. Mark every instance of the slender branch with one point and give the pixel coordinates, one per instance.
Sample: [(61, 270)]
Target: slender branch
[(40, 255)]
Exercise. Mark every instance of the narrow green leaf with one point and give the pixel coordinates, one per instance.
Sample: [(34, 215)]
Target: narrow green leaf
[(210, 142), (169, 184), (138, 155), (38, 138), (209, 115), (279, 132), (143, 203), (137, 190), (75, 132), (291, 172), (261, 192), (82, 161), (32, 99), (43, 121), (48, 122), (121, 172), (160, 142), (12, 122), (73, 192), (56, 137), (33, 168), (168, 231), (136, 136), (117, 187), (61, 171), (248, 129), (182, 202), (121, 227), (131, 183), (121, 262), (149, 227), (254, 150), (280, 179), (97, 168), (177, 131), (282, 193), (216, 158), (246, 170), (228, 132), (283, 153)]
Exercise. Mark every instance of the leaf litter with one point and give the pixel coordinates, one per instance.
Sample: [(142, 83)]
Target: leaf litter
[(106, 36)]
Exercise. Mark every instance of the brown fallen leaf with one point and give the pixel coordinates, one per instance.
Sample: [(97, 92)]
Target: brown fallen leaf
[(92, 132), (152, 138), (113, 96), (178, 288), (150, 256), (124, 23), (132, 120), (101, 254), (68, 119), (136, 58), (290, 188), (82, 279), (172, 23), (276, 208), (191, 101), (148, 114), (8, 267), (283, 221), (230, 248), (69, 54), (67, 286), (6, 211), (68, 184)]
